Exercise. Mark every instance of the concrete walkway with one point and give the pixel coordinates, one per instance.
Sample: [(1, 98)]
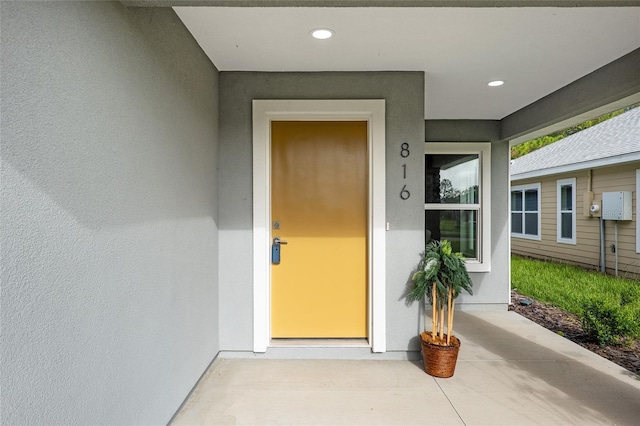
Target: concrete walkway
[(510, 372)]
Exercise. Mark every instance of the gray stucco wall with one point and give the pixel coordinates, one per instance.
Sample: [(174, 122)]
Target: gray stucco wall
[(491, 289), (109, 213), (403, 92)]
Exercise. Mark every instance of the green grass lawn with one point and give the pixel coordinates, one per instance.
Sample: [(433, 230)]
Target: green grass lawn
[(570, 288)]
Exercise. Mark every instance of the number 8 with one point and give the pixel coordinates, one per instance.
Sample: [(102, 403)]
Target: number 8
[(404, 152)]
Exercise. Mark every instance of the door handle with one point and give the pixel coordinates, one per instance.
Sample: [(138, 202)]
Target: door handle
[(275, 250)]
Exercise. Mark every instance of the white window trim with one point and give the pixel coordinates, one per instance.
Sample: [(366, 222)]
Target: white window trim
[(370, 110), (483, 149), (523, 188), (637, 211), (559, 184)]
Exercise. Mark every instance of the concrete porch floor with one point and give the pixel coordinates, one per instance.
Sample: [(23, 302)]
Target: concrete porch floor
[(510, 371)]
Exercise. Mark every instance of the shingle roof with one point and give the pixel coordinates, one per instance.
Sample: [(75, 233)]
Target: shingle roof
[(610, 142)]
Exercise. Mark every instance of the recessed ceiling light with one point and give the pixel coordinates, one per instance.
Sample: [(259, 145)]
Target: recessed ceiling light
[(321, 33), (495, 83)]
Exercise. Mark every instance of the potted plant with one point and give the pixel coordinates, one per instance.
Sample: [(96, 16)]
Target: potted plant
[(441, 276)]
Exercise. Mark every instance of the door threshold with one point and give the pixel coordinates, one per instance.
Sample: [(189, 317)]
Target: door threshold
[(320, 343)]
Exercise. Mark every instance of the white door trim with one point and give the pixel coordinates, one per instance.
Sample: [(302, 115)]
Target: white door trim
[(264, 111)]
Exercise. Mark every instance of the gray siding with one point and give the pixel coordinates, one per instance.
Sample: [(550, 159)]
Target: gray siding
[(109, 213), (586, 251)]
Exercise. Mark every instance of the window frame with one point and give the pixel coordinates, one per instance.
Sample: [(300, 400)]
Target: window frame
[(483, 150), (559, 184), (522, 188)]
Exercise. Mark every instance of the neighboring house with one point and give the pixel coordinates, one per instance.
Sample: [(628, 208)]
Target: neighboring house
[(554, 188), (141, 170)]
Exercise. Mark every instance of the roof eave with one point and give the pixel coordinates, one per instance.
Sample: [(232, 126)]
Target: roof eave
[(592, 164)]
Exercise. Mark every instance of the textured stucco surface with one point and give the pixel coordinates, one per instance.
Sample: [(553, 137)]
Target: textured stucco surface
[(491, 289), (403, 93), (109, 214)]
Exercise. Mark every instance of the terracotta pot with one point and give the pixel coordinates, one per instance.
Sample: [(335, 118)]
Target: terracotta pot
[(439, 361)]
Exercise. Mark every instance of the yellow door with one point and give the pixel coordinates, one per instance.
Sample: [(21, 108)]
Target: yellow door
[(319, 207)]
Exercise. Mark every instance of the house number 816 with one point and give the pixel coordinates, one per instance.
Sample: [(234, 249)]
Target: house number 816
[(404, 153)]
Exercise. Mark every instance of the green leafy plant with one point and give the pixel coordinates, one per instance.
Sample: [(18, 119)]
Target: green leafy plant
[(608, 323), (630, 295), (441, 276)]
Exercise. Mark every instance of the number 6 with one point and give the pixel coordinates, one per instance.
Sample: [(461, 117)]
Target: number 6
[(404, 193)]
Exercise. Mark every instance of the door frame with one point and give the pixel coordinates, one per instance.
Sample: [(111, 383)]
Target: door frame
[(373, 112)]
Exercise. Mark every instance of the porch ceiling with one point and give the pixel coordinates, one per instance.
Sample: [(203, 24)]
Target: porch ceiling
[(535, 50)]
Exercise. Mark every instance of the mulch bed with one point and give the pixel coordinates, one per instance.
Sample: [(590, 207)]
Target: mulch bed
[(568, 326)]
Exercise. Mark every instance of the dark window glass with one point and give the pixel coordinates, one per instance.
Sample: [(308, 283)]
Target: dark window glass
[(566, 199), (567, 225), (516, 223), (531, 200), (452, 178), (516, 201), (458, 226), (531, 223)]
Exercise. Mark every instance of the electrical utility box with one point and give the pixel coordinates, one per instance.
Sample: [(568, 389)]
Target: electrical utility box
[(616, 205)]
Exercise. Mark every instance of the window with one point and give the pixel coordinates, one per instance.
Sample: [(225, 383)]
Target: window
[(566, 219), (525, 211), (458, 199)]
